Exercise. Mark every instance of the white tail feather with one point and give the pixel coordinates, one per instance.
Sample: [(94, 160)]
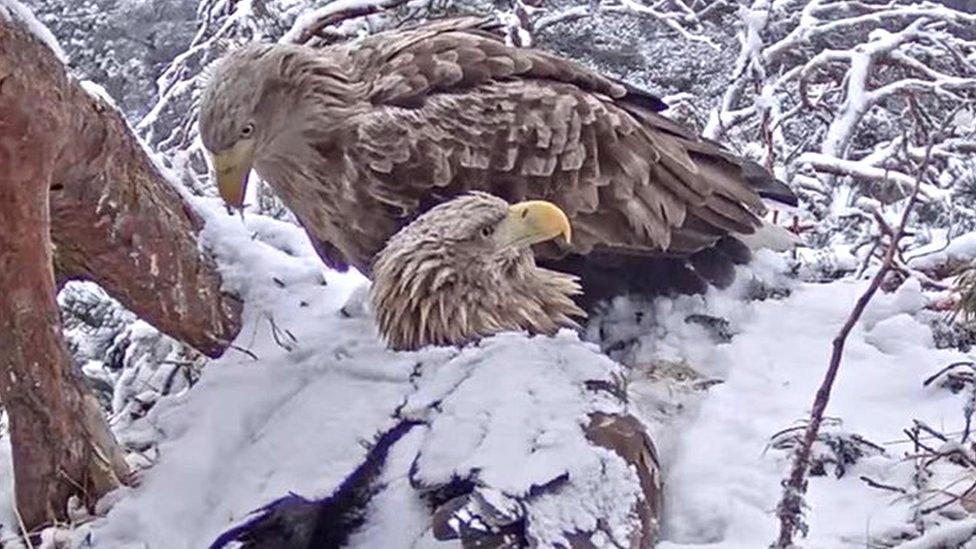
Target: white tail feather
[(771, 237)]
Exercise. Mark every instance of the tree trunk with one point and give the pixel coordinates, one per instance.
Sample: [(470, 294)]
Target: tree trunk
[(61, 445), (115, 220), (72, 172)]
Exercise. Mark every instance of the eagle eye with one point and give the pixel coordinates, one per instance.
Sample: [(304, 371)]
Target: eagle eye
[(487, 230), (247, 131)]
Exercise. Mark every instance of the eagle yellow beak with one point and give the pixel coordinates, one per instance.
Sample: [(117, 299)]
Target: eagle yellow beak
[(232, 168), (531, 222)]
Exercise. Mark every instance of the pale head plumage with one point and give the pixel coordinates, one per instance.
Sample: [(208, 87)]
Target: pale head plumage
[(465, 270), (257, 103), (241, 91)]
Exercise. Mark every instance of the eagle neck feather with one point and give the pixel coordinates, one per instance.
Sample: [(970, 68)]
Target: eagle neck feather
[(422, 299)]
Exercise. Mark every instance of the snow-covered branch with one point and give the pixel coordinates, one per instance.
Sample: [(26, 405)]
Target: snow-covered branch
[(682, 20), (676, 15), (829, 88), (314, 22), (864, 172)]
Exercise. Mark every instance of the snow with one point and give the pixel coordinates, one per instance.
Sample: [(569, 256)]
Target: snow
[(14, 10), (897, 334), (309, 18), (954, 252), (8, 515), (98, 92), (508, 412), (299, 416), (722, 483), (956, 533), (308, 385)]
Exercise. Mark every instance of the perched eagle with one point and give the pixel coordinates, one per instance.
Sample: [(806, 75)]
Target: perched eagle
[(360, 138), (465, 270)]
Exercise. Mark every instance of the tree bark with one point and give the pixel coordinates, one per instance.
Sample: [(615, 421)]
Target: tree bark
[(71, 172), (58, 450), (115, 220)]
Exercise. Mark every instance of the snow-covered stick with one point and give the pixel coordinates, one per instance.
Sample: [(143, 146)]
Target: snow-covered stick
[(790, 508), (675, 15), (314, 22)]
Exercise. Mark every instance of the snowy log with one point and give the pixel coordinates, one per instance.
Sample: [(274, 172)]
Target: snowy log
[(115, 220)]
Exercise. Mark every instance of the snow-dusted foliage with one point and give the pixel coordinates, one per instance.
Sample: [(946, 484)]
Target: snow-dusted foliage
[(842, 98), (121, 44)]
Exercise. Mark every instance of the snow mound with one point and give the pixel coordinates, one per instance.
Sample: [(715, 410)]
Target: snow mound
[(508, 414), (296, 404), (721, 473), (898, 334)]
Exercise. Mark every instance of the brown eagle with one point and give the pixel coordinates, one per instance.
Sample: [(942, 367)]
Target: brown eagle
[(360, 138), (465, 270)]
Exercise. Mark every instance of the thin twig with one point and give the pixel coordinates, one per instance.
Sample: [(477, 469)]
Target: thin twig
[(245, 351), (20, 520), (913, 435), (875, 484), (922, 426), (790, 508), (276, 335), (928, 381), (955, 498)]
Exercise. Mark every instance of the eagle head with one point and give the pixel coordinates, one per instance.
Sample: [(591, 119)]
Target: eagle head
[(248, 110), (465, 270)]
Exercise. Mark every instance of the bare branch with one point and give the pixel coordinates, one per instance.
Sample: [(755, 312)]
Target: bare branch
[(790, 508)]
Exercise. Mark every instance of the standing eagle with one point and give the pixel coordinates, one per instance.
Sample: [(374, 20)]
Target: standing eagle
[(360, 138)]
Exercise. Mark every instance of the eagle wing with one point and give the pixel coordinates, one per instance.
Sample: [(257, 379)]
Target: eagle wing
[(453, 108)]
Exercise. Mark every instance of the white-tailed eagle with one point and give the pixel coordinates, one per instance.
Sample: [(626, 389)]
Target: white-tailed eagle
[(360, 138)]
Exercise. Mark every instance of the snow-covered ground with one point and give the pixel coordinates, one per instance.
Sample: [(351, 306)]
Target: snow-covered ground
[(307, 387), (294, 405), (722, 483), (298, 415)]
